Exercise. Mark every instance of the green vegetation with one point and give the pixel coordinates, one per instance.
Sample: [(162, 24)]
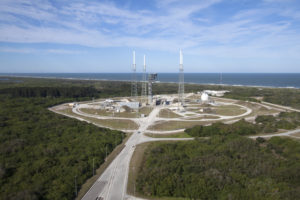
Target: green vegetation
[(63, 91), (174, 125), (167, 113), (145, 110), (231, 167), (41, 152), (135, 162), (203, 117), (98, 172), (281, 96), (169, 135), (229, 110), (241, 127), (264, 124), (122, 124), (125, 114)]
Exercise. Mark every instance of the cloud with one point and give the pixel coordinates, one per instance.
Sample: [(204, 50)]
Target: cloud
[(170, 25), (16, 50), (34, 51)]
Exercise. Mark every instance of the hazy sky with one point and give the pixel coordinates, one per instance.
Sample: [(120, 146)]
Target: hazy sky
[(99, 36)]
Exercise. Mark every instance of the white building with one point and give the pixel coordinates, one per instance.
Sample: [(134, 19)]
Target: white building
[(132, 105), (109, 100), (217, 93), (204, 97)]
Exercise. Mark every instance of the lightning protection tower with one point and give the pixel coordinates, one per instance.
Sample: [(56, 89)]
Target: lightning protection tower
[(151, 79), (181, 81), (144, 83), (133, 80)]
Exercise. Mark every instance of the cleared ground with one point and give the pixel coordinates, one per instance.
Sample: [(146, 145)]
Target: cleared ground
[(296, 135), (173, 125), (100, 112), (157, 122), (229, 110), (122, 124), (202, 117), (258, 109), (126, 114), (167, 113)]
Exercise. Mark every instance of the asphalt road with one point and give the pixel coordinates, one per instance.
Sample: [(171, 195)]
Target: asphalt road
[(112, 184)]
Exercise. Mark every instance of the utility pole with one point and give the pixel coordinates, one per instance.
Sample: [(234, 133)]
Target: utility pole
[(75, 186), (221, 78), (134, 189), (133, 79), (144, 83), (93, 166), (106, 153), (181, 81)]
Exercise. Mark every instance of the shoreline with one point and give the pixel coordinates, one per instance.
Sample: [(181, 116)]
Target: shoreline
[(192, 83)]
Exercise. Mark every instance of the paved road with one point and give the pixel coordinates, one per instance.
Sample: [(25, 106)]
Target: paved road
[(281, 107), (112, 184), (287, 133)]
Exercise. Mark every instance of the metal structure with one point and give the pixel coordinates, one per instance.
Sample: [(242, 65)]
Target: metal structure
[(133, 80), (144, 83), (151, 79), (181, 81)]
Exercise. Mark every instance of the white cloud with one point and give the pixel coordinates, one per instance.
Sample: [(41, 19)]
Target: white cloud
[(168, 27), (34, 50), (16, 50)]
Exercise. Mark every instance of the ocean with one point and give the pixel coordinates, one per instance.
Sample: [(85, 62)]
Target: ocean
[(285, 80)]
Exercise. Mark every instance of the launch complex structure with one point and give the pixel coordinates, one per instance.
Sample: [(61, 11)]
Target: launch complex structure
[(149, 79)]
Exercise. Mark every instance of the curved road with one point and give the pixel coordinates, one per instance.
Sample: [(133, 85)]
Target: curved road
[(112, 184)]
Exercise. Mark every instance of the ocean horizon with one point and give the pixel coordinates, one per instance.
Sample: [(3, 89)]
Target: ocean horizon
[(282, 80)]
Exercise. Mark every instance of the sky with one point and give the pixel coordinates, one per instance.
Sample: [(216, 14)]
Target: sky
[(99, 36)]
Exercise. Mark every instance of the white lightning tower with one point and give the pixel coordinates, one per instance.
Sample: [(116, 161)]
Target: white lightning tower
[(181, 81), (133, 80), (144, 82)]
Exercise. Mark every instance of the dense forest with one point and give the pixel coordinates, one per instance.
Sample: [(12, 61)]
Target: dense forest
[(223, 167), (65, 92), (42, 154), (281, 96), (263, 124)]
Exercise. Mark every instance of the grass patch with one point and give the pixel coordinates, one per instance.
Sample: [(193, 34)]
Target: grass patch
[(111, 123), (204, 117), (134, 166), (229, 110), (171, 135), (145, 110), (174, 125), (257, 109), (296, 134), (167, 113), (100, 112)]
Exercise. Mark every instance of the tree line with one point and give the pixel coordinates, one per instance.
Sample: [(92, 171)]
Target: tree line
[(223, 167), (43, 153)]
